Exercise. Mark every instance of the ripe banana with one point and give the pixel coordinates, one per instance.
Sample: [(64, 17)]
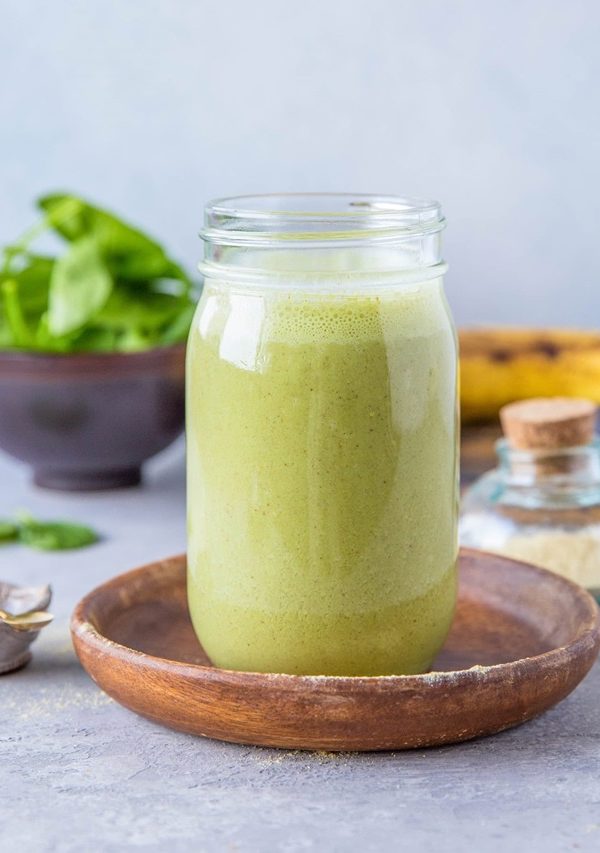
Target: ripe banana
[(502, 364)]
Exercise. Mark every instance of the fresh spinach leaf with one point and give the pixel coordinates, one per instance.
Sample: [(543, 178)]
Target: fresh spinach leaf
[(66, 214), (80, 284), (9, 531), (45, 341), (46, 535), (129, 253), (134, 340), (114, 289), (6, 338), (55, 535), (32, 277), (95, 339), (126, 308), (13, 314), (24, 300), (179, 327)]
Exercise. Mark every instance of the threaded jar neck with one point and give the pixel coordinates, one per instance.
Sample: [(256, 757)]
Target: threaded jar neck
[(308, 233)]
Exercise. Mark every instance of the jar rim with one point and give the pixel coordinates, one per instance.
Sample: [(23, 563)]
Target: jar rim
[(319, 217)]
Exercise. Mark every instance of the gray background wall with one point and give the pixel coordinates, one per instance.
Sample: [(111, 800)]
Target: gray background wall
[(154, 106)]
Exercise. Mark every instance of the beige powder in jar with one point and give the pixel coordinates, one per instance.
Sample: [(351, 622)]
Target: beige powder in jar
[(574, 555)]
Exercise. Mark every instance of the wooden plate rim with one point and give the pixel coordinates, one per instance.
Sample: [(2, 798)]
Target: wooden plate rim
[(587, 642)]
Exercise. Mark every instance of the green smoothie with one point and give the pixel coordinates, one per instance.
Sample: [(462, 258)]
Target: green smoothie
[(322, 487)]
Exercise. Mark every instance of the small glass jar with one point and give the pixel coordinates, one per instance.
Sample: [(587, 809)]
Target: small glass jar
[(540, 505), (322, 437)]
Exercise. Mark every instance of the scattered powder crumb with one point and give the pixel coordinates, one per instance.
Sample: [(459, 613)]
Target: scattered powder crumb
[(48, 702), (321, 756), (324, 757)]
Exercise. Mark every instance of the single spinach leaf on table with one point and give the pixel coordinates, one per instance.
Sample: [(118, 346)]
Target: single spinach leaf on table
[(9, 531), (55, 535), (79, 286)]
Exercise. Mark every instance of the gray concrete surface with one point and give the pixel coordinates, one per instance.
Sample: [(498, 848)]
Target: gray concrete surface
[(80, 773)]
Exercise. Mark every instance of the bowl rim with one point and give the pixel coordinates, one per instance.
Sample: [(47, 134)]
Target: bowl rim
[(25, 364)]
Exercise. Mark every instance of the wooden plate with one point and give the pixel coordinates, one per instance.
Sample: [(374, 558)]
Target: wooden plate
[(522, 639)]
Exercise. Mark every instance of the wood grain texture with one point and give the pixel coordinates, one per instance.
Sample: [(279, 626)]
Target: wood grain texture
[(522, 639)]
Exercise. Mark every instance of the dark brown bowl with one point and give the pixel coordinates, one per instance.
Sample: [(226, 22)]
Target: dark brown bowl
[(87, 421)]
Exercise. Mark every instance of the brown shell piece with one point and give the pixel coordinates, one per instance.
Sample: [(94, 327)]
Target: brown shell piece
[(548, 423)]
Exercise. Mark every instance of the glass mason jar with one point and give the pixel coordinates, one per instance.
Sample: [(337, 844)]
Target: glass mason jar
[(322, 437)]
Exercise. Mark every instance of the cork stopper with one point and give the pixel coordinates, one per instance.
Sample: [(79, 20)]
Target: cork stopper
[(549, 423)]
